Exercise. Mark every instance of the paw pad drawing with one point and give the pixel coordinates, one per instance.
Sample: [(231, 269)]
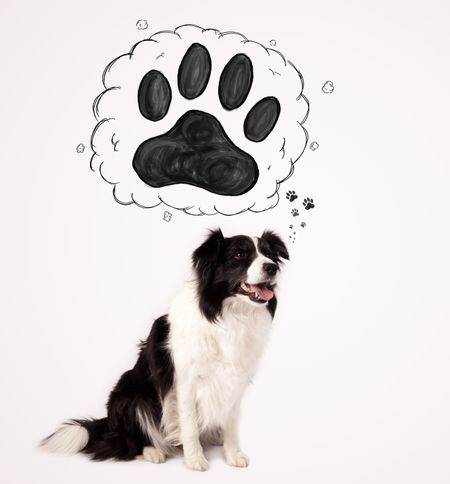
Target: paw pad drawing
[(196, 150), (199, 122), (291, 195), (294, 212), (308, 203)]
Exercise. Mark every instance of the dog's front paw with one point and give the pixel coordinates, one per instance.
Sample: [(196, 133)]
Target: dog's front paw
[(152, 454), (196, 462), (237, 458)]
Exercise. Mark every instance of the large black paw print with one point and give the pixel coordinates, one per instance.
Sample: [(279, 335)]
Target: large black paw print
[(196, 150)]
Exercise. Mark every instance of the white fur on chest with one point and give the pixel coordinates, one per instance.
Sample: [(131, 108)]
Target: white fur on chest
[(216, 360)]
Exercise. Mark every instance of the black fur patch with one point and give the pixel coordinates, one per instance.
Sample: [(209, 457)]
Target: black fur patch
[(272, 306), (271, 245), (119, 436)]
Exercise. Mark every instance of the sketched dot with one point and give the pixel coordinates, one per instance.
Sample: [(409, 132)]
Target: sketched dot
[(273, 42), (313, 146), (80, 148), (141, 24), (328, 87)]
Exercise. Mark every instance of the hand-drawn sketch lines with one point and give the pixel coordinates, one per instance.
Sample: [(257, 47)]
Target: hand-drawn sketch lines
[(193, 118), (328, 87), (141, 24)]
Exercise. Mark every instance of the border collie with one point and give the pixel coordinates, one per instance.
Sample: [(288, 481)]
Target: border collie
[(187, 384)]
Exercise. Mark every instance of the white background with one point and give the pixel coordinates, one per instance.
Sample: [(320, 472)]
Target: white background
[(354, 387)]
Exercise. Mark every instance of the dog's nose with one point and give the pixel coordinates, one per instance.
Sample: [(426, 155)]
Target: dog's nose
[(270, 269)]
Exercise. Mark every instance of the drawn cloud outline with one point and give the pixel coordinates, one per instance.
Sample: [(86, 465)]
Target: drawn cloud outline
[(111, 137)]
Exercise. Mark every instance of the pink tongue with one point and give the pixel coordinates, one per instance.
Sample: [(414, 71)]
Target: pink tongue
[(263, 292)]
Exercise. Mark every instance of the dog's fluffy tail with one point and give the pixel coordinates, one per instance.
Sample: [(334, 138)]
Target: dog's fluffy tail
[(73, 437)]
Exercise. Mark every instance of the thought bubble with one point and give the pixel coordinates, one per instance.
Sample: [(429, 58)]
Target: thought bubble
[(328, 87), (194, 118), (141, 24)]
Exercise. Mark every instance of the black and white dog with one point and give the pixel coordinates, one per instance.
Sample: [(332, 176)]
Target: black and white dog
[(186, 386)]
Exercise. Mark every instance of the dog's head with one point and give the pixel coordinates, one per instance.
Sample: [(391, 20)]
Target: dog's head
[(241, 266)]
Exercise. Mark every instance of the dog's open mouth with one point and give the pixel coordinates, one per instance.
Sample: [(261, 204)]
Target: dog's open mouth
[(262, 292)]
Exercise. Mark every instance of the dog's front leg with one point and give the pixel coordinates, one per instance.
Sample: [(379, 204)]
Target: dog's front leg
[(189, 432), (233, 453)]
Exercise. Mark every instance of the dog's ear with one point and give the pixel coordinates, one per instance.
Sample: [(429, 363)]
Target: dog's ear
[(204, 259), (277, 246)]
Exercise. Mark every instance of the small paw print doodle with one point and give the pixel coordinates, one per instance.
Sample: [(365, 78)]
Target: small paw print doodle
[(308, 203), (294, 212), (80, 148), (303, 224), (141, 24), (313, 146), (294, 233), (328, 87), (291, 195), (167, 217), (209, 117)]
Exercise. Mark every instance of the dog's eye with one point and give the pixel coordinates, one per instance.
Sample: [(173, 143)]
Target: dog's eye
[(239, 254)]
